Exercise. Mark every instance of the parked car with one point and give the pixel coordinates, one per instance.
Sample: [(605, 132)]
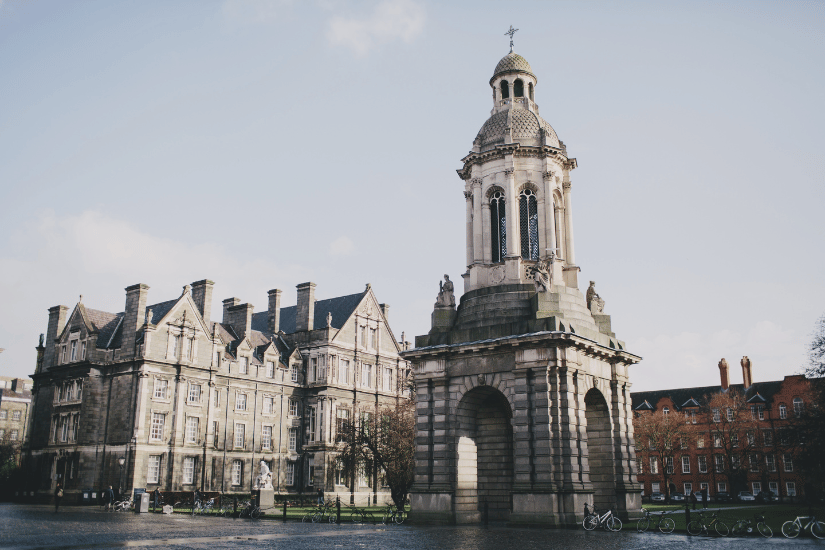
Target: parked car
[(745, 496), (698, 495), (657, 497), (677, 497), (766, 496), (723, 496)]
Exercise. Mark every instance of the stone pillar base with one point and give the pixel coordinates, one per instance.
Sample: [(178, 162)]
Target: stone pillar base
[(265, 498), (431, 509)]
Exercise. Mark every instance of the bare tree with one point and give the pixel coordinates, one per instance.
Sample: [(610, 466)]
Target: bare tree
[(659, 437), (734, 433), (386, 444)]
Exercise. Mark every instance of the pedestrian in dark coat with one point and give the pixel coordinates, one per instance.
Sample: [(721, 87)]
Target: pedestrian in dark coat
[(108, 498), (58, 496)]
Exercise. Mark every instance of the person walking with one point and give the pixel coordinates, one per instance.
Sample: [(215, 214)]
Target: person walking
[(704, 498), (320, 496), (156, 497), (108, 498), (58, 496)]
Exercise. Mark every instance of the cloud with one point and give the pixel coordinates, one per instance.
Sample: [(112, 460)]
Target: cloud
[(342, 246), (689, 359), (390, 20), (251, 12), (54, 259)]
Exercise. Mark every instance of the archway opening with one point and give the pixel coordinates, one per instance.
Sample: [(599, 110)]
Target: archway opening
[(518, 88), (485, 455), (600, 449), (505, 89)]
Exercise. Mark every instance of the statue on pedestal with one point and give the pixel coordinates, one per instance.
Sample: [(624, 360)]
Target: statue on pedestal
[(542, 273), (594, 302), (264, 480), (446, 297)]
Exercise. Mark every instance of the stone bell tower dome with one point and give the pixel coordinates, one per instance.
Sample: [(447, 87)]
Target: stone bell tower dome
[(517, 187)]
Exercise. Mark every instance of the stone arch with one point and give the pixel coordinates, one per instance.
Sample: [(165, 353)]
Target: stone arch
[(531, 186), (484, 454), (492, 189), (600, 449)]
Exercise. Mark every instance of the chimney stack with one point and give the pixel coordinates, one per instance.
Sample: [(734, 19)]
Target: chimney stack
[(202, 295), (273, 313), (133, 317), (305, 312), (747, 378), (228, 303), (724, 374), (240, 317), (57, 322)]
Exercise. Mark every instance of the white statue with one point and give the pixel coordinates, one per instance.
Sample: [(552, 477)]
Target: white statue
[(446, 296), (264, 480)]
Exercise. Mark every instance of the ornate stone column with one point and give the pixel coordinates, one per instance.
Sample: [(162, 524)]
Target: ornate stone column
[(468, 197), (550, 219), (513, 240), (478, 252), (568, 224), (486, 229)]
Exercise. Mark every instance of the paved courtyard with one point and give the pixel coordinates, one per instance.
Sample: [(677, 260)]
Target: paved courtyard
[(37, 526)]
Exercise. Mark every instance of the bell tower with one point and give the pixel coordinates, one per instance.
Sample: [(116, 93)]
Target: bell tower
[(517, 188), (522, 389)]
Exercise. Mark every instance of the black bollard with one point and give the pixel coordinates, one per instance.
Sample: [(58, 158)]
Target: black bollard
[(284, 509), (235, 506), (338, 507), (687, 513)]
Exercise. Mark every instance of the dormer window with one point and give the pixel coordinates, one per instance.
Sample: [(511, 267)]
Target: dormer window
[(73, 352), (518, 88), (244, 368), (505, 89)]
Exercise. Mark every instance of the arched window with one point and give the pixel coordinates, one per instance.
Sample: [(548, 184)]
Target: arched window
[(518, 88), (530, 91), (505, 89), (498, 227), (528, 210)]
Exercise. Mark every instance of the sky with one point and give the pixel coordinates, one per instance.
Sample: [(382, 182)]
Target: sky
[(262, 144)]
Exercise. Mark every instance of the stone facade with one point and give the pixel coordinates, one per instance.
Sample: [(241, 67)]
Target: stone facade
[(189, 403), (15, 404), (769, 464), (523, 406)]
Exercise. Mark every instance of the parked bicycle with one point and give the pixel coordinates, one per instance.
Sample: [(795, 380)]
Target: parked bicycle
[(746, 526), (393, 514), (123, 505), (608, 520), (663, 524), (202, 508), (703, 525), (791, 529), (249, 510), (359, 515)]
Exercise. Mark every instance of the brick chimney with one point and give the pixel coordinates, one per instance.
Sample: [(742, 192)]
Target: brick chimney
[(228, 303), (273, 312), (747, 378), (240, 317), (385, 310), (724, 374), (57, 322), (133, 317), (305, 312), (202, 295)]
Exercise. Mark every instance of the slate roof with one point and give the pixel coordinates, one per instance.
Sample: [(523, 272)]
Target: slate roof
[(105, 323), (681, 396), (160, 309), (7, 392), (340, 307)]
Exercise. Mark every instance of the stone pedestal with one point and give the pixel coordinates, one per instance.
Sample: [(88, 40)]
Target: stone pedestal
[(443, 317), (265, 498)]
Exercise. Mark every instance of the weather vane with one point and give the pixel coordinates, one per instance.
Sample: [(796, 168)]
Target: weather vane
[(511, 32)]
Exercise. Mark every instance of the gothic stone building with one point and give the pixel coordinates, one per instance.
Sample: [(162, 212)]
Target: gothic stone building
[(699, 464), (15, 404), (522, 392), (187, 403)]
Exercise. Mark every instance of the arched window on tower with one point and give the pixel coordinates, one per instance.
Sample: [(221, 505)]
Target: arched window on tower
[(518, 88), (528, 212), (505, 89), (498, 227), (530, 91)]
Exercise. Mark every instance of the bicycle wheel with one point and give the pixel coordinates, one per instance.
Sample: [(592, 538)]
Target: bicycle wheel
[(356, 516), (721, 529), (817, 529), (615, 524), (386, 517), (307, 517), (694, 527), (255, 513), (667, 525), (590, 522), (739, 528), (400, 516), (318, 516), (642, 525), (764, 530), (790, 529)]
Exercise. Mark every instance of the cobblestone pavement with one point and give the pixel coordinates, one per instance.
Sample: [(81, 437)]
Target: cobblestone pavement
[(74, 528)]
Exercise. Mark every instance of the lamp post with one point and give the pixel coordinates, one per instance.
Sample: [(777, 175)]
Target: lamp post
[(121, 461)]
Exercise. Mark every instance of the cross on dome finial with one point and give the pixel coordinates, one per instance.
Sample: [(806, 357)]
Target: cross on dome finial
[(511, 32)]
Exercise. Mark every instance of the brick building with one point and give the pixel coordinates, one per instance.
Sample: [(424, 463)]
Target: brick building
[(766, 465), (15, 404), (183, 402)]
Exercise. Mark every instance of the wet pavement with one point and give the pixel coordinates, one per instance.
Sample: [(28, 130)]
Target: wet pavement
[(37, 526)]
